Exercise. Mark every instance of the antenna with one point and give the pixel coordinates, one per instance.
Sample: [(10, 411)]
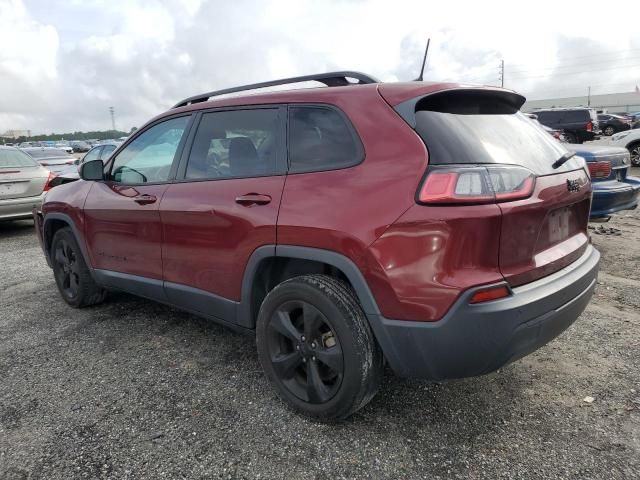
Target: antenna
[(424, 61)]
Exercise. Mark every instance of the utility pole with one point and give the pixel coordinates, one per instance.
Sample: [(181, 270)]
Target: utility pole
[(113, 118), (589, 96), (502, 73)]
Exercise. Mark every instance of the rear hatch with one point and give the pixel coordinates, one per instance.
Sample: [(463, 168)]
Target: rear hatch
[(20, 175), (483, 150)]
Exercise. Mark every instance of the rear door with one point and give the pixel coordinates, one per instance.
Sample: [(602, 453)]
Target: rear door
[(122, 221), (539, 234), (20, 175), (223, 206)]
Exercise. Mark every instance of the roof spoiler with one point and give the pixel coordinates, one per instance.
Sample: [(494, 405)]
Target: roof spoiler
[(446, 101)]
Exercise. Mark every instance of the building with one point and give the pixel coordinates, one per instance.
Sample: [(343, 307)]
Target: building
[(611, 103), (16, 133)]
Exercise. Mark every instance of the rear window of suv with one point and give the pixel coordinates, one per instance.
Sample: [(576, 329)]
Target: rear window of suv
[(470, 130), (321, 139)]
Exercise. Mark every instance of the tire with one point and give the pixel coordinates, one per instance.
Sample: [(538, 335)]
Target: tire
[(570, 137), (609, 131), (74, 281), (634, 150), (317, 349)]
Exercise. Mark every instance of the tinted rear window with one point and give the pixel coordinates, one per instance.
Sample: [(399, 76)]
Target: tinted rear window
[(321, 139), (576, 116), (503, 138), (15, 158)]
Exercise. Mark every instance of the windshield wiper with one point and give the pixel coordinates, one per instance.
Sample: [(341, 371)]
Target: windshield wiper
[(563, 159)]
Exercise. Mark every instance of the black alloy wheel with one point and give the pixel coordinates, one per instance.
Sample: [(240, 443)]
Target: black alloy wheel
[(305, 352), (67, 269)]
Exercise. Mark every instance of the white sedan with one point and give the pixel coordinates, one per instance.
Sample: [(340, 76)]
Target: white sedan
[(629, 139)]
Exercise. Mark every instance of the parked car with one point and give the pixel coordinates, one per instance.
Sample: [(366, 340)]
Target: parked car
[(447, 237), (610, 124), (557, 134), (64, 146), (23, 183), (631, 141), (70, 173), (53, 159), (614, 189), (578, 124), (80, 146)]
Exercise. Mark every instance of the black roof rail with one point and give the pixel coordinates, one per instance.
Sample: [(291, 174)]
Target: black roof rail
[(330, 79)]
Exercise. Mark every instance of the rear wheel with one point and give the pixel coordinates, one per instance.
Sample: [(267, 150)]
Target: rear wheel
[(316, 347), (634, 150), (71, 273), (570, 137), (609, 131)]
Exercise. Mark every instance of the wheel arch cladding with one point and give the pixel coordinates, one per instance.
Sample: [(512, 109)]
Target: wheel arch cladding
[(270, 265), (54, 222)]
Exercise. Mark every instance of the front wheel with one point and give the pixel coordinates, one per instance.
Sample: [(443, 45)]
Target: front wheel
[(72, 275), (634, 150), (609, 131), (316, 347)]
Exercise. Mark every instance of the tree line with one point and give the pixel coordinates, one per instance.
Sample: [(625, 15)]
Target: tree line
[(97, 135)]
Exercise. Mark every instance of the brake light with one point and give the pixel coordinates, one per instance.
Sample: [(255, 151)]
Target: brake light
[(476, 185), (47, 186), (599, 169), (589, 126), (492, 293)]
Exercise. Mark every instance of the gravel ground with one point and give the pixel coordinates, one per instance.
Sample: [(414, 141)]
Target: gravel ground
[(132, 389)]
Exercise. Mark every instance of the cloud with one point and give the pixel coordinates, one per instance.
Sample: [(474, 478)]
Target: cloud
[(71, 61)]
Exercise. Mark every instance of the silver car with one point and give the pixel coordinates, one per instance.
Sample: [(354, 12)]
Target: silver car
[(23, 183), (53, 158)]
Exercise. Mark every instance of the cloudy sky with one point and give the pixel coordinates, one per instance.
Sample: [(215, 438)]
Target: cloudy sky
[(63, 63)]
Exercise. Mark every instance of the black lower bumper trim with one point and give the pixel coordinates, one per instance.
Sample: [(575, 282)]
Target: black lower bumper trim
[(477, 339)]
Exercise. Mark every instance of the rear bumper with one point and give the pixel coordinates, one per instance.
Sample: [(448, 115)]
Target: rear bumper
[(18, 208), (613, 196), (477, 339)]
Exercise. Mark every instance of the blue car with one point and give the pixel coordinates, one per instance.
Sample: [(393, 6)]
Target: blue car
[(613, 188)]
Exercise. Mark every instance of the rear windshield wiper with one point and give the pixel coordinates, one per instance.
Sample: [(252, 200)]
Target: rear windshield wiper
[(563, 159)]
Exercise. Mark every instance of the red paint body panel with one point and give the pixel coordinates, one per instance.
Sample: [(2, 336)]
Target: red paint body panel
[(547, 231), (346, 210), (430, 255), (69, 199), (121, 235), (208, 237)]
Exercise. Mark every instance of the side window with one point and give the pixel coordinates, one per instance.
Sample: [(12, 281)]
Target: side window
[(320, 139), (93, 154), (235, 143), (148, 158), (107, 150)]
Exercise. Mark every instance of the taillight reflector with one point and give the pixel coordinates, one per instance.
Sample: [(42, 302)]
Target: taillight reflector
[(599, 169), (47, 186), (486, 295)]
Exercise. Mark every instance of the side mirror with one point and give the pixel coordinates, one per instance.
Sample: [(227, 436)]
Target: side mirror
[(92, 170)]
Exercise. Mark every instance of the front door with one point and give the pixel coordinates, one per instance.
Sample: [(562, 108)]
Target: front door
[(223, 205), (122, 222)]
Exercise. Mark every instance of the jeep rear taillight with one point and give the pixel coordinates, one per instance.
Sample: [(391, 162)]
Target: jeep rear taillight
[(589, 126), (599, 169), (476, 185)]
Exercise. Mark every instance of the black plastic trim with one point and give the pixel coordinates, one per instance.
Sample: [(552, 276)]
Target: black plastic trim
[(330, 79), (475, 339), (201, 301), (141, 286), (79, 237)]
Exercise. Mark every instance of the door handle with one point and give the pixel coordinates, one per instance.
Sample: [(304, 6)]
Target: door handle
[(253, 199), (145, 199)]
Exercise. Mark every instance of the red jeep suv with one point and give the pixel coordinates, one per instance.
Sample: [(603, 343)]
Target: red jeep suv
[(429, 226)]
